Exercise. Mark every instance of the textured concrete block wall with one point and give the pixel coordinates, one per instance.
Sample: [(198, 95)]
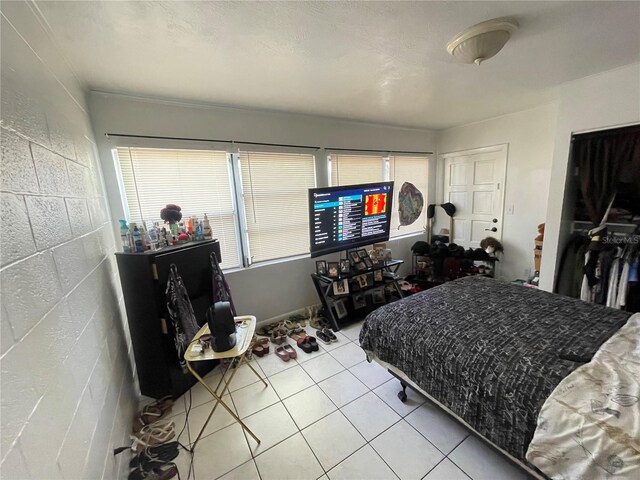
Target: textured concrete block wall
[(67, 388)]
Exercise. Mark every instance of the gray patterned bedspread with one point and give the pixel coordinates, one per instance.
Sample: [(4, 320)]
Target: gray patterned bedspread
[(490, 351)]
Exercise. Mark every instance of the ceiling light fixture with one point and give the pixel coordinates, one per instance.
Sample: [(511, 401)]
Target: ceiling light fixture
[(482, 41)]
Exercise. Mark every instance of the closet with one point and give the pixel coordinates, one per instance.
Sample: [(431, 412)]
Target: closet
[(599, 262)]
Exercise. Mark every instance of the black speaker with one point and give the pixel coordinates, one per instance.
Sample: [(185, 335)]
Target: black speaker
[(222, 326)]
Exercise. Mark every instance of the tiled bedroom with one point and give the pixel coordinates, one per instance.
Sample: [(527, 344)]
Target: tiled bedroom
[(329, 414)]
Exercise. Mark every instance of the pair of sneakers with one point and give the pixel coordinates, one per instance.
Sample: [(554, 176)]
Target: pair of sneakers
[(326, 335)]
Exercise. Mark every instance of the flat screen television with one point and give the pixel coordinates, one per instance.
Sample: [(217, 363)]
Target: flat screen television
[(349, 216)]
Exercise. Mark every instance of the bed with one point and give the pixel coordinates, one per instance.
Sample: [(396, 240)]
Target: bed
[(492, 353)]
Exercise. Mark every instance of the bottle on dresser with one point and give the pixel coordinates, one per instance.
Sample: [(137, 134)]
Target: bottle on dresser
[(208, 234)]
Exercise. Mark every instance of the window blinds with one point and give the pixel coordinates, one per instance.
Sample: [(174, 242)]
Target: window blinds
[(354, 169), (197, 180), (275, 189), (416, 171)]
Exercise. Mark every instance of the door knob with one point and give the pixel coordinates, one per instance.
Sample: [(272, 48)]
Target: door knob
[(492, 229), (495, 220)]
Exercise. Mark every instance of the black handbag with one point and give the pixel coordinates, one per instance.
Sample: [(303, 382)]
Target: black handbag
[(181, 315)]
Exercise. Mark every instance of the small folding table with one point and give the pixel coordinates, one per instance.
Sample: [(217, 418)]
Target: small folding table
[(245, 328)]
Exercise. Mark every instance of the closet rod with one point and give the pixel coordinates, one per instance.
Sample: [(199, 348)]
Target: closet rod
[(152, 137), (377, 151)]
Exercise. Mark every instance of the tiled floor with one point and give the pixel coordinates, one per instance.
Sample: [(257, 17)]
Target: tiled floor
[(330, 415)]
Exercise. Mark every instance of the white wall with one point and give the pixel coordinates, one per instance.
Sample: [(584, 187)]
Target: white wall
[(266, 291), (601, 101), (67, 388), (530, 135)]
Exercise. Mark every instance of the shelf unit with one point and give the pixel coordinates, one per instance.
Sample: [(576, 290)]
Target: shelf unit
[(325, 289)]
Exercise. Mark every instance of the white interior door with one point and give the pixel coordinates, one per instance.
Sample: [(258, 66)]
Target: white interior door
[(474, 183)]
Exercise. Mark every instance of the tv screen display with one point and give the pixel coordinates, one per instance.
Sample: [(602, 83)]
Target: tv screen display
[(349, 216)]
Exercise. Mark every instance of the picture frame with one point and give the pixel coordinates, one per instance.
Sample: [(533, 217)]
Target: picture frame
[(369, 278), (333, 269), (361, 267), (359, 300), (321, 267), (377, 276), (362, 253), (354, 257), (340, 308), (377, 296), (341, 287), (367, 261), (345, 267), (354, 285), (362, 281)]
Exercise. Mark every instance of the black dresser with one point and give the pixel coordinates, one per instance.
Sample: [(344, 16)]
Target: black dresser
[(143, 277)]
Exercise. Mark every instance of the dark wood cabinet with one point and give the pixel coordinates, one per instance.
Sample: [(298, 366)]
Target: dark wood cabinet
[(143, 277)]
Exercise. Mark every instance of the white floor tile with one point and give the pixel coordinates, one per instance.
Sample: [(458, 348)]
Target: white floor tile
[(309, 406), (221, 452), (290, 381), (343, 388), (289, 460), (349, 355), (482, 462), (220, 419), (437, 426), (244, 376), (272, 364), (333, 439), (352, 331), (321, 367), (446, 470), (198, 394), (271, 426), (389, 393), (341, 340), (183, 462), (246, 471), (365, 464), (371, 374), (407, 452), (255, 397), (370, 415)]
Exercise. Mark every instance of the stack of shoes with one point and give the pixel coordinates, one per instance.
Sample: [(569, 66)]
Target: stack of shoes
[(259, 346), (155, 463), (153, 412), (305, 342)]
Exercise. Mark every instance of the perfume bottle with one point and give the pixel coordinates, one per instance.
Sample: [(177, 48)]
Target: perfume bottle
[(124, 236), (207, 228), (153, 237), (199, 231), (137, 239)]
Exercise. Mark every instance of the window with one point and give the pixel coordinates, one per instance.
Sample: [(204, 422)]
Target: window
[(416, 171), (197, 180), (274, 187), (354, 169)]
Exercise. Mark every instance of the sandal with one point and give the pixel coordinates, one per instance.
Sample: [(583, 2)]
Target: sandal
[(283, 354), (305, 345), (153, 412), (290, 350), (297, 334), (314, 345), (155, 456), (260, 347), (161, 472), (278, 335), (152, 435)]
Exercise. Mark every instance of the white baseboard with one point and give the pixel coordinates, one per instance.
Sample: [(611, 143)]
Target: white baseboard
[(285, 316)]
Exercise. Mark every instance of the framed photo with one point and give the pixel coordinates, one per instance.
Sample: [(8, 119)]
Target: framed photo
[(333, 270), (345, 267), (340, 308), (369, 278), (359, 300), (321, 267), (354, 285), (362, 281), (341, 287), (354, 257), (377, 276), (362, 253), (377, 296), (361, 267), (367, 261)]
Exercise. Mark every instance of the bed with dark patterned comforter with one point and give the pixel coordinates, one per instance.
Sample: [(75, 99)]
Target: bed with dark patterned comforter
[(490, 351)]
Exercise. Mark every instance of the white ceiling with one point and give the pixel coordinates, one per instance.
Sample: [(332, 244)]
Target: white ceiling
[(382, 62)]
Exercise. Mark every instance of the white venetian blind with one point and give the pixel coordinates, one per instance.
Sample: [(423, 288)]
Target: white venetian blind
[(414, 170), (355, 169), (275, 188), (196, 180)]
